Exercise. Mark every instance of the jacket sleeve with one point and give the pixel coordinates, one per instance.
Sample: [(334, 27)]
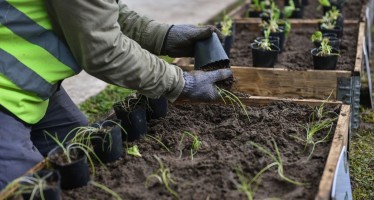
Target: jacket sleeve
[(92, 32), (146, 32)]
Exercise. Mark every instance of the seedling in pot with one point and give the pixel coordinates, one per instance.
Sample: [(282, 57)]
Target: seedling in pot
[(70, 151), (226, 25), (289, 9), (314, 127), (264, 52), (277, 161), (318, 37), (325, 57), (44, 185), (100, 131), (323, 3), (196, 144), (163, 176), (132, 113), (234, 100)]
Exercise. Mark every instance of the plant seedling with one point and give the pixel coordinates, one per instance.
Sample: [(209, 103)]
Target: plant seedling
[(159, 141), (334, 13), (316, 37), (134, 151), (86, 134), (70, 148), (233, 100), (325, 49), (163, 176), (288, 10), (265, 42), (106, 189), (196, 144), (249, 186), (314, 127), (226, 24), (33, 185), (259, 5), (277, 161), (324, 3)]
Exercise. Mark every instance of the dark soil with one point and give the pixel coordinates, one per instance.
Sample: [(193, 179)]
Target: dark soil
[(225, 134), (296, 53), (352, 9), (224, 84), (61, 159)]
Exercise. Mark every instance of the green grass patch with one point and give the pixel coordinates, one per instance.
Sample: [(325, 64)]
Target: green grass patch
[(97, 107), (362, 165)]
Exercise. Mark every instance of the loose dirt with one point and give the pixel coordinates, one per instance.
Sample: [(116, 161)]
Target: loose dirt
[(225, 133)]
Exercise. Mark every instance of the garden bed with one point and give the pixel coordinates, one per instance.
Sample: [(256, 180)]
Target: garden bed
[(293, 76), (296, 54), (353, 9), (225, 137)]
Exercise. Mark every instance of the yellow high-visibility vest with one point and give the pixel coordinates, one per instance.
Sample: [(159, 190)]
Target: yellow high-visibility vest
[(33, 60)]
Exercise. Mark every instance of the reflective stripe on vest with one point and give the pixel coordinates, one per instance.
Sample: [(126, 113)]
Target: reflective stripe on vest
[(32, 59)]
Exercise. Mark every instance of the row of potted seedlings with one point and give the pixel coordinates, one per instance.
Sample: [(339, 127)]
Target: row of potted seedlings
[(98, 143), (293, 8), (327, 41)]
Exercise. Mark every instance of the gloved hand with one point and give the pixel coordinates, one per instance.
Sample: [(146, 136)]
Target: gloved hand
[(181, 39), (199, 85)]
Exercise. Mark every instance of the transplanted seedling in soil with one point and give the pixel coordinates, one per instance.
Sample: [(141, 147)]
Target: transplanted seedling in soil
[(234, 100), (163, 176), (33, 185), (312, 129), (159, 141), (249, 185), (106, 189), (196, 143), (277, 161), (134, 151), (325, 49)]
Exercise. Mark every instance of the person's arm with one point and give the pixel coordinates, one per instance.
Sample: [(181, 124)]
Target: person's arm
[(92, 32), (148, 33)]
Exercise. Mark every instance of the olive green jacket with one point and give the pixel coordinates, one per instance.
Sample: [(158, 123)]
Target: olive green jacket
[(116, 45)]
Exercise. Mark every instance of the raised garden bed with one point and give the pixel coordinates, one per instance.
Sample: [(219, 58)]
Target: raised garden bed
[(353, 9), (225, 134), (293, 76)]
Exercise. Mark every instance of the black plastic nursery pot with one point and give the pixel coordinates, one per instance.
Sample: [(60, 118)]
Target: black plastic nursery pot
[(304, 2), (264, 58), (210, 51), (73, 175), (155, 108), (134, 121), (108, 146), (53, 189), (325, 62), (254, 14)]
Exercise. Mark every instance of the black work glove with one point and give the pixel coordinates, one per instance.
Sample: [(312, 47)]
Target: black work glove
[(199, 85), (180, 40)]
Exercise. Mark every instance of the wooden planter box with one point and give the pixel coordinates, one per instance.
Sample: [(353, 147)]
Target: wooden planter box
[(339, 141), (310, 84)]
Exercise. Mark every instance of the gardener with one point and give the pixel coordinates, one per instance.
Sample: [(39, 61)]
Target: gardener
[(104, 38)]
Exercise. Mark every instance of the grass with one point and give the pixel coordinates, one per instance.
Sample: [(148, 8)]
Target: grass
[(362, 165), (98, 106)]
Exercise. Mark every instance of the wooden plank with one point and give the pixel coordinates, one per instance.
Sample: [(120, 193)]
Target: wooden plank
[(294, 22), (9, 191), (263, 101), (340, 139), (289, 84), (359, 51), (280, 82), (239, 11)]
